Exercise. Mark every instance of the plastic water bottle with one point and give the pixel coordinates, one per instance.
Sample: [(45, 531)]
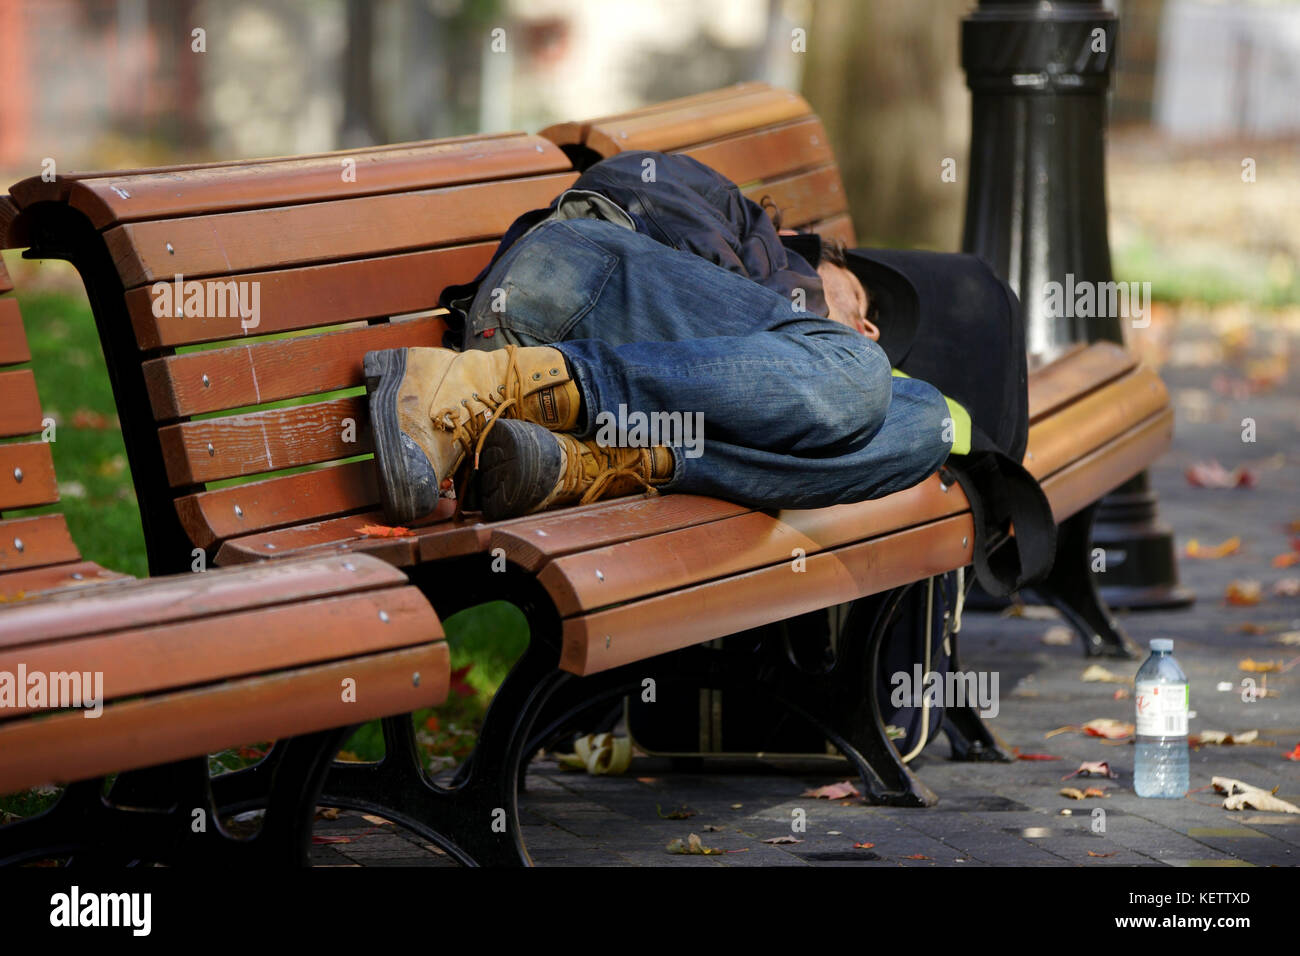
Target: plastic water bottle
[(1160, 765)]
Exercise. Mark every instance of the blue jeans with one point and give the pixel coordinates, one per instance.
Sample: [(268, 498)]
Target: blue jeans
[(798, 411)]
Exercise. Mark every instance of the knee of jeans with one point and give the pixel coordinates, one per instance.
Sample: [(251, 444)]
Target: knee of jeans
[(932, 433), (863, 395)]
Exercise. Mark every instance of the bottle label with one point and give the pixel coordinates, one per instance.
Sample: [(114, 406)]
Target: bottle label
[(1161, 709)]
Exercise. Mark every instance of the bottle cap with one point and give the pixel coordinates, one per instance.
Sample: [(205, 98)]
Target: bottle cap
[(1162, 644)]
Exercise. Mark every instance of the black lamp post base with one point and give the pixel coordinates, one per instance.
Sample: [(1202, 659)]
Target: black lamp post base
[(1141, 562)]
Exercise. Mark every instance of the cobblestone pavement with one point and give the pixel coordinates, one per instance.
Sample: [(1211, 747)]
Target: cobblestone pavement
[(1012, 814)]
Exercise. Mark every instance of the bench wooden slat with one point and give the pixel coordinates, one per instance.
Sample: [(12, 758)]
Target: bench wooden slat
[(643, 629), (767, 154), (805, 197), (22, 585), (312, 296), (13, 340), (209, 517), (245, 375), (35, 542), (633, 569), (20, 408), (837, 227), (36, 465), (158, 601), (234, 242), (199, 651), (1072, 376), (679, 125), (1100, 472), (155, 730), (236, 445), (118, 198)]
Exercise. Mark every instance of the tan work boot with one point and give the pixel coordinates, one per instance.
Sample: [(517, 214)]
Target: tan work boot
[(430, 408), (525, 468)]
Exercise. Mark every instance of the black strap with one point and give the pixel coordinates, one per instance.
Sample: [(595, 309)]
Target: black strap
[(1003, 494)]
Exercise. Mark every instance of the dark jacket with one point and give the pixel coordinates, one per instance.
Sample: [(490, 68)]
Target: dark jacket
[(687, 206)]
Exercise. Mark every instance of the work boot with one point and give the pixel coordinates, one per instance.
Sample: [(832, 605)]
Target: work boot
[(525, 468), (430, 408)]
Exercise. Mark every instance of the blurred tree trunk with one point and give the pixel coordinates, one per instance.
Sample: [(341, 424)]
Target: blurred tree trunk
[(360, 124), (886, 79)]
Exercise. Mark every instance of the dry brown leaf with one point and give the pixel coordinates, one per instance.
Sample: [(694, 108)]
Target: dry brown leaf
[(1290, 638), (781, 840), (1243, 593), (1101, 855), (1223, 738), (1058, 636), (1098, 673), (1108, 728), (1210, 474), (1212, 553), (1287, 587), (1074, 793), (1259, 667), (692, 847), (1093, 768), (1287, 560), (1242, 795)]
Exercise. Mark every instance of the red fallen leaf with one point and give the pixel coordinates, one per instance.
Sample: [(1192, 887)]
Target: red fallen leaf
[(457, 681), (1093, 768), (1287, 560), (868, 846), (318, 840), (383, 531), (432, 723), (1242, 593), (833, 791), (916, 856), (1020, 756), (1293, 755), (1110, 729), (1210, 474), (1120, 694)]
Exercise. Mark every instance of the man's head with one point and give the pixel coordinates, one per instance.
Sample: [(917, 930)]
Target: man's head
[(847, 300)]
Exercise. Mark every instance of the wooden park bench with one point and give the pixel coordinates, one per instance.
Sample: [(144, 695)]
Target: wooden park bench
[(252, 443), (175, 668)]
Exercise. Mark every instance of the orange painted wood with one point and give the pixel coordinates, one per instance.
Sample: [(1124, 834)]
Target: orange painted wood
[(282, 368), (160, 601), (33, 462), (754, 156), (333, 534), (313, 296), (20, 408), (671, 562), (1100, 472), (35, 542), (674, 127), (533, 541), (1094, 420), (210, 517), (192, 652), (223, 243), (118, 198), (20, 585), (153, 730), (1072, 376), (643, 629), (257, 442), (35, 189), (803, 198), (573, 133), (13, 340)]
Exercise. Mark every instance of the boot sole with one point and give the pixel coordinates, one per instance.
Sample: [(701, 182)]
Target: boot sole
[(404, 498), (518, 468)]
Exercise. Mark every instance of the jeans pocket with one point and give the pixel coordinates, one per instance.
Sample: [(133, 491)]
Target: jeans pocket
[(545, 285)]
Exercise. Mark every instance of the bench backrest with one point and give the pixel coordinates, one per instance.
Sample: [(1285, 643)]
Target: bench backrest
[(233, 429)]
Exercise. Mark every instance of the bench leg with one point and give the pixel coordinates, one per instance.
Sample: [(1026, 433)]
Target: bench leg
[(1072, 590), (476, 819)]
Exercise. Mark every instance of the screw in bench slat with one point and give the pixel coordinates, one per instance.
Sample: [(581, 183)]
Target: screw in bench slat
[(383, 616), (18, 475), (600, 576), (211, 451), (206, 382), (239, 512), (415, 679), (606, 642), (18, 543), (170, 250)]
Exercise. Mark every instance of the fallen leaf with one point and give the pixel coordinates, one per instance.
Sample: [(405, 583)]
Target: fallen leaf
[(1074, 793), (863, 846), (1020, 756), (321, 839), (1290, 638), (1293, 755), (1108, 728), (1095, 792), (681, 813), (327, 813), (1101, 855), (1196, 550), (1259, 667), (781, 840), (1241, 795), (1058, 636), (1287, 560), (713, 828), (1223, 738), (383, 531), (1031, 612), (1210, 474), (1287, 587), (1243, 593), (692, 847), (916, 856), (833, 791), (1120, 694), (377, 821), (1093, 768), (1098, 673)]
